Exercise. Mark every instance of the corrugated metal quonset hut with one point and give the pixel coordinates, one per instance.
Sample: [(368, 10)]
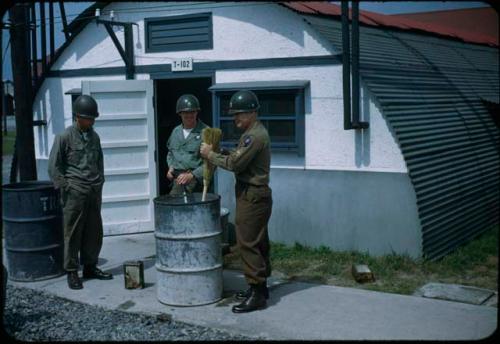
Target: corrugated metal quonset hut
[(421, 180)]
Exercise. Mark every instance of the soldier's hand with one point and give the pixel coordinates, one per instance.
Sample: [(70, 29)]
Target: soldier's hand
[(184, 178), (170, 176), (205, 149)]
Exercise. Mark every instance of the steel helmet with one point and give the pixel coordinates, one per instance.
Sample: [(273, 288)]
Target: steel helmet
[(187, 102), (243, 101), (85, 106)]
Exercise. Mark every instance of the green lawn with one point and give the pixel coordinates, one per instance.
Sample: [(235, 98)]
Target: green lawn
[(8, 142), (475, 264)]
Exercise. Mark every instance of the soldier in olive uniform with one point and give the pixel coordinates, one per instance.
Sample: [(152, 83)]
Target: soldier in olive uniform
[(250, 163), (76, 168), (184, 162)]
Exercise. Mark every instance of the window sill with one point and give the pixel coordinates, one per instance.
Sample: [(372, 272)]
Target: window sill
[(287, 160)]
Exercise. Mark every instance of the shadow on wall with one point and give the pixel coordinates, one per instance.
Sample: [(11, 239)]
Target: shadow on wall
[(362, 137)]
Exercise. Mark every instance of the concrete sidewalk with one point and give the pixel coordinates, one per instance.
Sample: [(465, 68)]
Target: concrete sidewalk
[(295, 310)]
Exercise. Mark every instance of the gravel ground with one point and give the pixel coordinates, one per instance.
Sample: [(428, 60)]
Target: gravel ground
[(36, 316)]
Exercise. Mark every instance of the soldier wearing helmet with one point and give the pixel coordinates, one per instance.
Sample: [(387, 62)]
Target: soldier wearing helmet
[(250, 163), (76, 168), (185, 166)]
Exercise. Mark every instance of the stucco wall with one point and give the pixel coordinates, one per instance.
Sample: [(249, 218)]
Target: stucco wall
[(327, 145), (373, 212), (240, 31), (239, 28)]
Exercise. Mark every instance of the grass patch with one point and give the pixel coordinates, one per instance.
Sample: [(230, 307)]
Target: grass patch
[(475, 264), (8, 142)]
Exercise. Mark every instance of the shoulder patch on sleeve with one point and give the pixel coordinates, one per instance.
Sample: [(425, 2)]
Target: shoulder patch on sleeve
[(247, 141)]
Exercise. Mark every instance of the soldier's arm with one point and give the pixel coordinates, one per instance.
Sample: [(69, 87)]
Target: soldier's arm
[(57, 163), (238, 159), (198, 172), (170, 156), (101, 161)]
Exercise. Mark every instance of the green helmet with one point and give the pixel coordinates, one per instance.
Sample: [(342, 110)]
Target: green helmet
[(187, 102), (85, 106), (243, 101)]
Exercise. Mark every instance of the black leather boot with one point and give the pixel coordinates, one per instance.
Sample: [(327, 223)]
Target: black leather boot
[(243, 294), (255, 301), (74, 281), (91, 271)]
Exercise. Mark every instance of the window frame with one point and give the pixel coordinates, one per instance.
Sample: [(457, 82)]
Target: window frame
[(186, 46), (298, 146)]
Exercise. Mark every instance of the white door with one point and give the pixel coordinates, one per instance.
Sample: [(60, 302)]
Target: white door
[(127, 130)]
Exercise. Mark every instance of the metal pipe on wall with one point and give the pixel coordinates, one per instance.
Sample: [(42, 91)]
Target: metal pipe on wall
[(44, 37), (355, 61), (51, 31), (346, 65), (34, 53), (129, 51), (356, 124)]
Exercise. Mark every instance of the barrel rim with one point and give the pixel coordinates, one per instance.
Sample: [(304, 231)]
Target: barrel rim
[(180, 237), (30, 185), (157, 200)]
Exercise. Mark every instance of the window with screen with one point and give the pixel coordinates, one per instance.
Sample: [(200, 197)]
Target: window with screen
[(281, 112)]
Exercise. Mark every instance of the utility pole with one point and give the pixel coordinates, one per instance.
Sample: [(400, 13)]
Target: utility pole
[(4, 115), (20, 52)]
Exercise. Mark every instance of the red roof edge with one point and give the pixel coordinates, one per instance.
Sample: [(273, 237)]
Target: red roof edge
[(377, 19)]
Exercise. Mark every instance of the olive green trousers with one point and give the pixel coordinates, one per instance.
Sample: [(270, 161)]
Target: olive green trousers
[(253, 210), (82, 226)]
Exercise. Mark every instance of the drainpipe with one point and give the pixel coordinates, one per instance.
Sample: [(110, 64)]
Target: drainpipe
[(346, 65), (355, 124)]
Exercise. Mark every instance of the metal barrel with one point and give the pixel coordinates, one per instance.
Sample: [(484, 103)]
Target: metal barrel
[(188, 249), (33, 230)]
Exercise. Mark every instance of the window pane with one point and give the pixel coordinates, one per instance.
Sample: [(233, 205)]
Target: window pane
[(277, 104), (270, 104), (281, 131), (224, 105), (274, 106)]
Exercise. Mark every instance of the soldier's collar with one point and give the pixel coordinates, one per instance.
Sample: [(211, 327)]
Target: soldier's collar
[(251, 127), (78, 130)]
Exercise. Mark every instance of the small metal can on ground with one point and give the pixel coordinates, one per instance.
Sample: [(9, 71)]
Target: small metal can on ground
[(133, 271)]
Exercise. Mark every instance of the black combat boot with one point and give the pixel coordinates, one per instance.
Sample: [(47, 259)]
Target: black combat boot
[(74, 281), (255, 301), (243, 294), (91, 271)]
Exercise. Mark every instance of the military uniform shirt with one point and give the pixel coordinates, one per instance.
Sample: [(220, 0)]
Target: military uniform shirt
[(76, 161), (251, 160), (184, 153)]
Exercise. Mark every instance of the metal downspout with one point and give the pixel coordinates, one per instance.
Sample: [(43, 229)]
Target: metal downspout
[(346, 67)]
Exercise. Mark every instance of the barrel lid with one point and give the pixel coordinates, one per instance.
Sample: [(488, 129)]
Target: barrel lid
[(192, 199), (28, 185)]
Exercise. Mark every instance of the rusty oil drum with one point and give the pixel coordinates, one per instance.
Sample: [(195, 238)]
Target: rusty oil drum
[(33, 230), (188, 250)]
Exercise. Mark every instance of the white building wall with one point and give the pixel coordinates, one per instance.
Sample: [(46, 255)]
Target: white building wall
[(242, 31), (327, 183), (327, 145), (256, 30)]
